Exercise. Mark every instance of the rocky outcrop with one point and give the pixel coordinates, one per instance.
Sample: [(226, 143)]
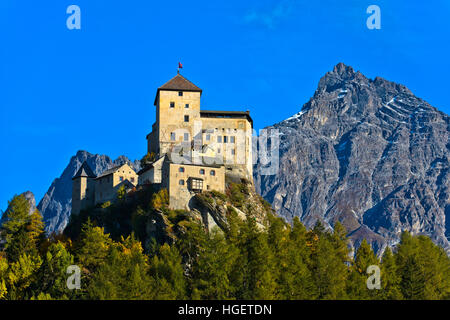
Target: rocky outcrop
[(56, 204), (31, 200), (367, 153), (212, 208)]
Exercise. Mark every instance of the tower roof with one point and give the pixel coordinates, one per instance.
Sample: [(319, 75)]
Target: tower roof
[(84, 171), (178, 83)]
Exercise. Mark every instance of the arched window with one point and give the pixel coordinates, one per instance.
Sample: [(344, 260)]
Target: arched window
[(181, 182), (202, 171)]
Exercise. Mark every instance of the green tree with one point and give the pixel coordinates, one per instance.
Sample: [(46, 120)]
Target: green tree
[(124, 275), (22, 231), (91, 251), (390, 279), (52, 275), (167, 271), (357, 284), (294, 278), (212, 269), (20, 276), (424, 268), (259, 280), (3, 279)]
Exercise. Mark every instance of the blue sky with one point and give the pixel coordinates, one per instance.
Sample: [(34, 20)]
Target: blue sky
[(64, 90)]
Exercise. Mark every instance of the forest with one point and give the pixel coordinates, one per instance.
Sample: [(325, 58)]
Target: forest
[(242, 261)]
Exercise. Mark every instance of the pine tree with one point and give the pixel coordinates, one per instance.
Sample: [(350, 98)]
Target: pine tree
[(91, 251), (357, 286), (340, 243), (424, 268), (124, 275), (21, 274), (22, 231), (167, 271), (258, 277), (52, 275), (325, 263), (390, 279), (3, 274), (295, 279), (213, 267), (35, 227)]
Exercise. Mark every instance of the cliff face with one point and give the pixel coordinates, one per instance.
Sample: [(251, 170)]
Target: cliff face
[(56, 204), (367, 153)]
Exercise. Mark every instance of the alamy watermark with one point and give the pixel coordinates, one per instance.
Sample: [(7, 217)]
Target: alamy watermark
[(74, 280), (374, 20), (74, 20), (226, 147), (374, 280)]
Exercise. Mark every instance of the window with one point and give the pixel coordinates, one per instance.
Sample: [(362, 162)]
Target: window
[(172, 104), (202, 171), (132, 179), (218, 150), (225, 139), (196, 184), (181, 182), (219, 139), (212, 172), (208, 137), (172, 136), (233, 151), (186, 137), (186, 105), (120, 179), (207, 187), (180, 93), (186, 118), (232, 140), (181, 169)]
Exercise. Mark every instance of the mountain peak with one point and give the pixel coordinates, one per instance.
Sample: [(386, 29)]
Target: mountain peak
[(340, 74), (373, 156)]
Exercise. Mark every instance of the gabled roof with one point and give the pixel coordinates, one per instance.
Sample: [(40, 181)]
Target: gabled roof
[(128, 185), (149, 166), (84, 171), (178, 83), (112, 170)]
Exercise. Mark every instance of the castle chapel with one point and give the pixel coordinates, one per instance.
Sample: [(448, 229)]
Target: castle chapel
[(192, 150)]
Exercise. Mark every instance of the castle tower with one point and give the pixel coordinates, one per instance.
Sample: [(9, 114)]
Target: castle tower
[(177, 108), (83, 189)]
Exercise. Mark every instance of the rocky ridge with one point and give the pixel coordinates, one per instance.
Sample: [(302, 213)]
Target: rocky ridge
[(367, 153)]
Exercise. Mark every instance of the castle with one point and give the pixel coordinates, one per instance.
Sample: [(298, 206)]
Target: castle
[(192, 150)]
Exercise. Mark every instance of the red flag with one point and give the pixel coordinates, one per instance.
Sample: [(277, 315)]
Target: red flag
[(180, 66)]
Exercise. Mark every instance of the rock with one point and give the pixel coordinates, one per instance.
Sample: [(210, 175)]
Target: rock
[(367, 153), (212, 208)]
